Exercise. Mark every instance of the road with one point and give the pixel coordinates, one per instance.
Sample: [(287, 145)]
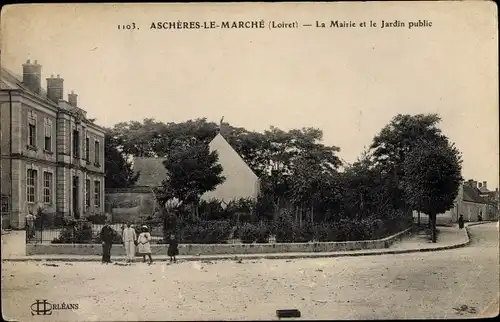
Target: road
[(457, 283)]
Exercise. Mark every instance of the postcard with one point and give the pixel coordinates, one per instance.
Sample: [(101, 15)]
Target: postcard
[(249, 161)]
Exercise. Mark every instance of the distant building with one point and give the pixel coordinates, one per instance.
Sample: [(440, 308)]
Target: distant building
[(474, 201), (241, 181), (52, 155)]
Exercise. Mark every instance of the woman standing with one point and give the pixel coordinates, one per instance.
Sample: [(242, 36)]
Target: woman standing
[(144, 244), (129, 240)]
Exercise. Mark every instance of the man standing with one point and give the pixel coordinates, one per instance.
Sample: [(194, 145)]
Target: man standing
[(129, 240), (107, 242)]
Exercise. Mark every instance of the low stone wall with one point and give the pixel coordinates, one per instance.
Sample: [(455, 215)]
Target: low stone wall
[(218, 249)]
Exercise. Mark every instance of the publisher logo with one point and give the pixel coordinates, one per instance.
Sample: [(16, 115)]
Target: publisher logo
[(43, 307)]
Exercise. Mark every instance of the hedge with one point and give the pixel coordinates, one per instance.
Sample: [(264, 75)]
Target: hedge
[(75, 234), (206, 232), (249, 233)]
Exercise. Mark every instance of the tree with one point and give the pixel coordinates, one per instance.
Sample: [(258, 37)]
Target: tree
[(118, 170), (392, 145), (366, 191), (191, 171), (432, 177)]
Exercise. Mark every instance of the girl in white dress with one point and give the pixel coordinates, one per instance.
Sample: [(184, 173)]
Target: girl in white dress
[(144, 244)]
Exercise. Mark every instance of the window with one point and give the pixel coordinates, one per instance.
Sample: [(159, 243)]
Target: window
[(31, 184), (97, 194), (32, 129), (87, 193), (96, 152), (87, 149), (76, 144), (48, 135), (47, 188)]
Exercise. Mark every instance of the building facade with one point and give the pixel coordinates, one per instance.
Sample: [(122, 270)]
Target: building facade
[(52, 155), (474, 203)]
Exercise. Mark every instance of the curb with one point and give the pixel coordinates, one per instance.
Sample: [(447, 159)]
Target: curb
[(259, 256), (481, 222)]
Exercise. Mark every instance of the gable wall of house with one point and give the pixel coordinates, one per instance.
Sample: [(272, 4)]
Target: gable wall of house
[(240, 181)]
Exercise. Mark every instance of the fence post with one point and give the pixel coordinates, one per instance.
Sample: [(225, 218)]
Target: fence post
[(41, 228)]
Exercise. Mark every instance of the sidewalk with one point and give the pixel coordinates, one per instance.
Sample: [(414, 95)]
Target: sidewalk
[(448, 238)]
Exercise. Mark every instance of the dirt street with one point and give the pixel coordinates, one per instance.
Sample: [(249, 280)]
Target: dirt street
[(446, 284)]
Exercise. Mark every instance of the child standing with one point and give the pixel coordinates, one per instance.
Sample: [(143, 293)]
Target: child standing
[(144, 244), (173, 250)]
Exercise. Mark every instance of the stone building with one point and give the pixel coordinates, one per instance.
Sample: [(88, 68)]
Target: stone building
[(52, 155), (474, 201)]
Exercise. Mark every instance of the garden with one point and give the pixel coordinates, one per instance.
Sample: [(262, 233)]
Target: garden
[(307, 194)]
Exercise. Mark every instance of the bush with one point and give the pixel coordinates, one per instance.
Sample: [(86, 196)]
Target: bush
[(212, 210), (207, 232), (99, 219), (326, 232), (75, 234), (249, 233), (264, 207), (117, 237), (287, 230), (49, 220)]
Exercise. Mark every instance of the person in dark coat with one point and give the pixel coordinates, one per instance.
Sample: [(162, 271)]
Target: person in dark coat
[(461, 221), (173, 249), (107, 242)]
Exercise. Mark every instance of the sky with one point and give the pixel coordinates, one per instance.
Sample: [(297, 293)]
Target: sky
[(349, 82)]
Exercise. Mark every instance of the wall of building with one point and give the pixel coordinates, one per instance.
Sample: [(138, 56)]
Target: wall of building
[(471, 210), (240, 181), (127, 205), (57, 160)]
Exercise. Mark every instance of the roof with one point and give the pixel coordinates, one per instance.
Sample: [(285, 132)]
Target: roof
[(472, 194), (11, 80), (151, 171)]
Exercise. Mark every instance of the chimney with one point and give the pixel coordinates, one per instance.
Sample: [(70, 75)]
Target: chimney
[(32, 76), (73, 99), (55, 88), (484, 185)]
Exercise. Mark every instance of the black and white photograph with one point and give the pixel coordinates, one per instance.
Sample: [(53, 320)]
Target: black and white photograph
[(249, 161)]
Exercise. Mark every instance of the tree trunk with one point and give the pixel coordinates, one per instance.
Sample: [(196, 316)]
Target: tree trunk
[(312, 215), (418, 219), (432, 219)]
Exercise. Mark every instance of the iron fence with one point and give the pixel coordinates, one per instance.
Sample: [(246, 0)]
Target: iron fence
[(87, 232), (81, 232)]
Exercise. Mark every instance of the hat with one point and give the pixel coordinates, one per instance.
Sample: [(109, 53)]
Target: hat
[(144, 226)]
